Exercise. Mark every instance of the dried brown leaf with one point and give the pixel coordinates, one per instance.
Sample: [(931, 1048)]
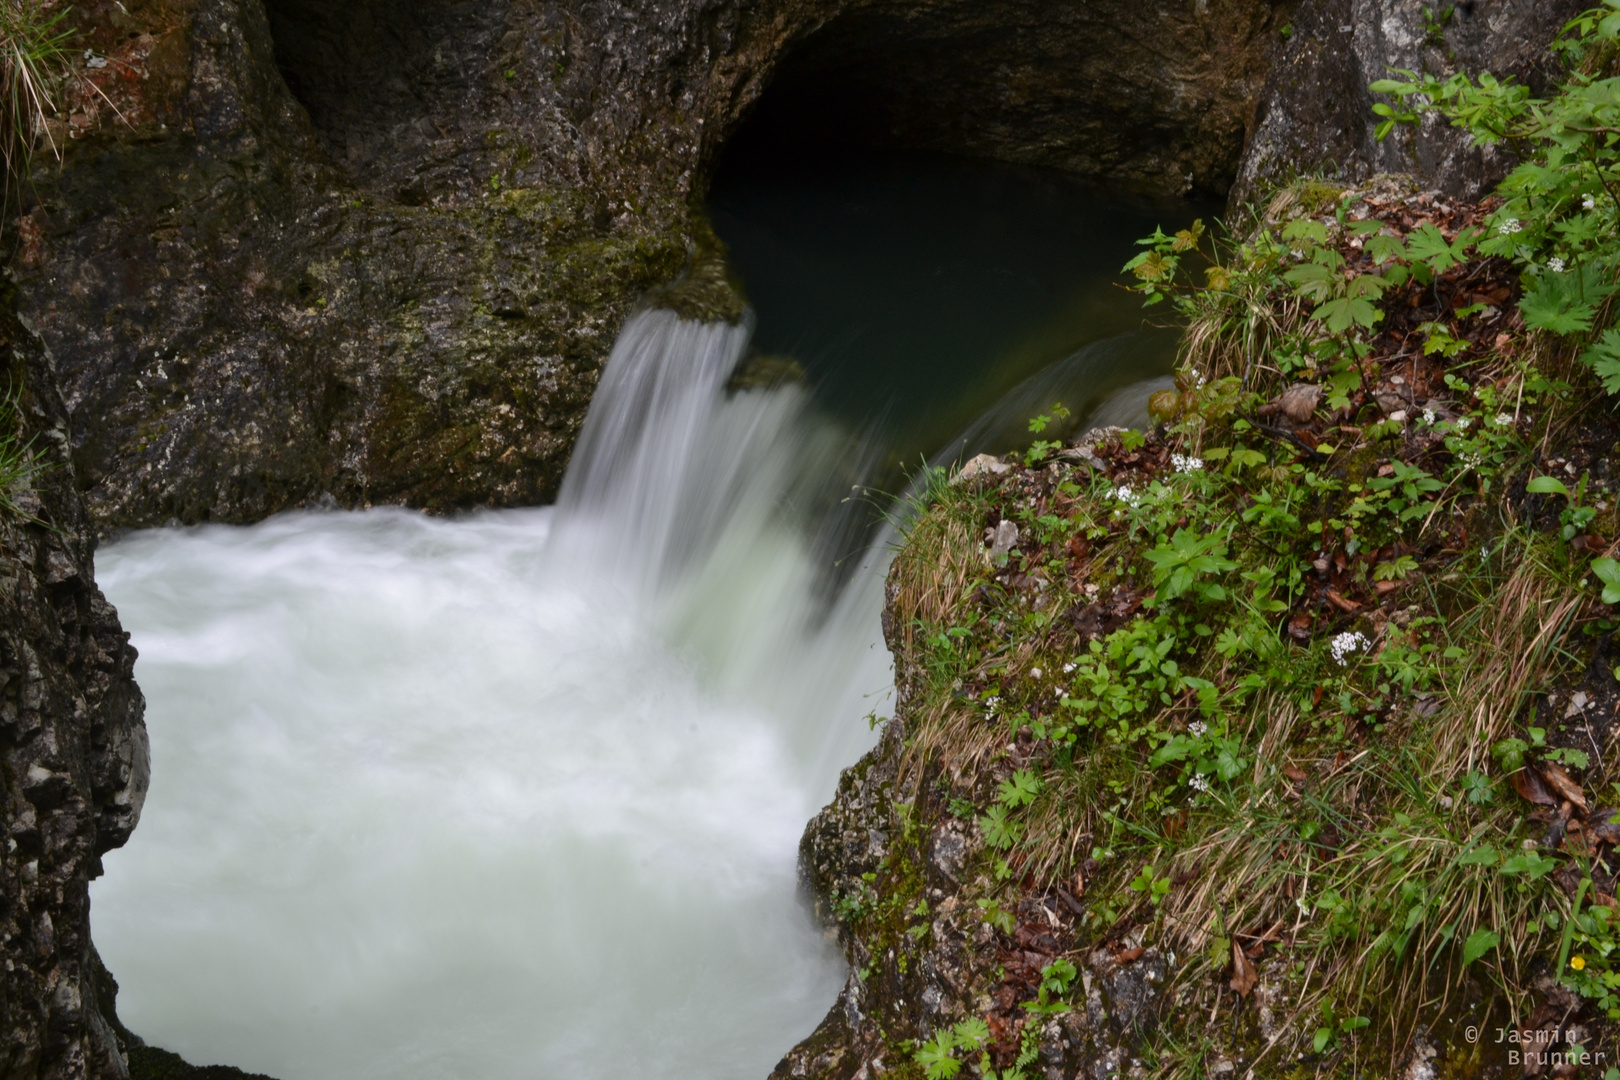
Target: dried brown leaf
[(1244, 975), (1530, 786), (1561, 782)]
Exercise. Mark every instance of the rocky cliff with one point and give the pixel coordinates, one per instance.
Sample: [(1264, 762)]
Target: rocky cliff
[(378, 252), (1316, 112), (73, 757)]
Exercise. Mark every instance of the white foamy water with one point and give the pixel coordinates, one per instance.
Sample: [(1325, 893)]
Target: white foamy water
[(515, 796), (512, 796)]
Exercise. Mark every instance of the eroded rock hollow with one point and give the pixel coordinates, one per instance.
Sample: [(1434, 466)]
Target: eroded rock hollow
[(377, 252)]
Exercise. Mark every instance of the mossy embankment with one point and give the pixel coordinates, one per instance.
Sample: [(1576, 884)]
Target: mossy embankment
[(1273, 741)]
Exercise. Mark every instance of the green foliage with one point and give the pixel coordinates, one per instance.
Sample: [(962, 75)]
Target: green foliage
[(938, 1057), (1041, 447), (1021, 789), (34, 49), (1559, 221), (1154, 888), (1603, 357), (1335, 1029), (1479, 943), (1608, 572), (20, 463), (1180, 564)]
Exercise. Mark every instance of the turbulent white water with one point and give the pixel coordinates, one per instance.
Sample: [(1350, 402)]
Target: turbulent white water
[(516, 795), (511, 796)]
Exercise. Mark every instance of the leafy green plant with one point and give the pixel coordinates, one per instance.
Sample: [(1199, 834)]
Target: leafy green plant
[(1041, 447), (1558, 220), (1335, 1029), (1575, 517), (1608, 572), (937, 1055), (1153, 887)]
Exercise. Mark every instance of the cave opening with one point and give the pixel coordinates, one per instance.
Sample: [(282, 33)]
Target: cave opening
[(1079, 88)]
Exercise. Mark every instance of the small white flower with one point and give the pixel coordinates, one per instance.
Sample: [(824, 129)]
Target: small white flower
[(1350, 641), (1068, 668), (1556, 265), (1428, 416), (1462, 423), (991, 703), (1125, 494), (1510, 226), (1588, 203), (1504, 419), (1297, 254), (1199, 782), (1186, 464), (1197, 728)]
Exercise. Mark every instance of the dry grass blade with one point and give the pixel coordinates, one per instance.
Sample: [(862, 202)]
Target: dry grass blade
[(1531, 616), (33, 62)]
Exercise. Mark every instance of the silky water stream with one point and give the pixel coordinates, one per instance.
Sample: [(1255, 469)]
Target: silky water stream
[(518, 795)]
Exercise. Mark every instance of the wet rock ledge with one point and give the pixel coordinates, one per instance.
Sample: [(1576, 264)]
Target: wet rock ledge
[(73, 752)]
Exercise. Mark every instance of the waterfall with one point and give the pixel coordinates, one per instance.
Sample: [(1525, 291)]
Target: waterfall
[(515, 795)]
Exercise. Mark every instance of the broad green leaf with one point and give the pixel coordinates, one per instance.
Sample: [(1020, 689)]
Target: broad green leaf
[(1547, 485), (1479, 943), (1530, 863), (1604, 358), (1339, 315), (1608, 572), (1564, 303), (1384, 248), (972, 1033)]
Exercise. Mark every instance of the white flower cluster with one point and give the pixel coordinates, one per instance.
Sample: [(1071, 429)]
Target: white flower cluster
[(1556, 265), (1350, 641), (1199, 782), (991, 704), (1186, 464), (1504, 419), (1510, 226), (1068, 668), (1588, 203), (1462, 422), (1127, 495), (1428, 416), (1197, 729)]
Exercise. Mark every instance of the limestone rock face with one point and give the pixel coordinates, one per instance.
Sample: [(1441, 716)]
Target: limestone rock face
[(73, 747), (1316, 112), (378, 250)]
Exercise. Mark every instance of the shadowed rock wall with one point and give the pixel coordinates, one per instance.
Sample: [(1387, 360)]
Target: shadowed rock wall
[(1316, 113), (73, 756)]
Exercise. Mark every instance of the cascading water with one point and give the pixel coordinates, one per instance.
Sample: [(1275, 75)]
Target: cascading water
[(439, 798), (518, 795)]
